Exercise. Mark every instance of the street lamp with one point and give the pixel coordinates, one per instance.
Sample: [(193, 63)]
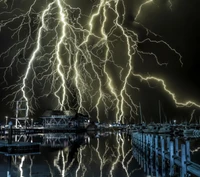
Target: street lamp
[(6, 119)]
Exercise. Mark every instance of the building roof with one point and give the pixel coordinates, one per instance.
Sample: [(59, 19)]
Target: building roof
[(52, 113)]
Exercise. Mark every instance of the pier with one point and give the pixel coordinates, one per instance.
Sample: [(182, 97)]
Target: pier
[(19, 148), (36, 130), (8, 147), (156, 153)]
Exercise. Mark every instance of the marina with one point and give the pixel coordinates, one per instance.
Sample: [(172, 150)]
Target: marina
[(159, 149), (99, 88)]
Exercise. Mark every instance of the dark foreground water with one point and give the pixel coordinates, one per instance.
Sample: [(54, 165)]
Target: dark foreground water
[(78, 155)]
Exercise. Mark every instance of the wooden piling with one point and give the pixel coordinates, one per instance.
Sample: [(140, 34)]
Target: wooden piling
[(162, 141), (183, 161), (187, 146), (171, 150), (156, 155)]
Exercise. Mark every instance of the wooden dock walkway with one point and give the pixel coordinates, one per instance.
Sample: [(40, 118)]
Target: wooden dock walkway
[(154, 152)]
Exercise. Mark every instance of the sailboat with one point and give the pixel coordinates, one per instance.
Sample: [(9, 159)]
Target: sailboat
[(166, 127)]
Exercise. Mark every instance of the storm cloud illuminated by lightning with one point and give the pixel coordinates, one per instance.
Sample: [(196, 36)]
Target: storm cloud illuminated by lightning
[(64, 52)]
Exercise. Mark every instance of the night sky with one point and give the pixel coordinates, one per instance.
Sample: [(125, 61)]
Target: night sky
[(178, 25)]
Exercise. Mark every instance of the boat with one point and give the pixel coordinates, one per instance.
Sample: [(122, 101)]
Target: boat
[(165, 129), (151, 128)]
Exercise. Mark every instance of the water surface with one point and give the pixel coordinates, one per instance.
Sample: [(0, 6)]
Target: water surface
[(78, 155)]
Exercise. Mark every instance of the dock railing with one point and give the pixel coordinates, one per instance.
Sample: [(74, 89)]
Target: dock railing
[(155, 152)]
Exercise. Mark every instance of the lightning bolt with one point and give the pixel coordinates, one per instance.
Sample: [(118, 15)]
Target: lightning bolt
[(43, 27), (50, 170), (65, 166), (80, 159), (102, 158), (195, 150), (170, 4), (56, 160), (31, 166), (21, 165), (140, 8), (171, 94), (69, 55), (117, 156), (192, 114), (124, 156), (60, 42)]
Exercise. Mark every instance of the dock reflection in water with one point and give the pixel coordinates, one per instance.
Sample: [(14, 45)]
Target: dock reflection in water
[(75, 155)]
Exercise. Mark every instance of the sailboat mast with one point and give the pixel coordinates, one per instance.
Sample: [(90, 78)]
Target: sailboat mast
[(159, 111), (140, 113)]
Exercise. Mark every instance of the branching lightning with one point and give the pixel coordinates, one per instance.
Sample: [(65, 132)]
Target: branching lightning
[(102, 158), (60, 42), (117, 160), (68, 58), (80, 160)]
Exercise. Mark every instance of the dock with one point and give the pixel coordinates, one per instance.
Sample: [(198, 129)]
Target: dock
[(8, 147), (36, 130), (155, 152), (19, 148)]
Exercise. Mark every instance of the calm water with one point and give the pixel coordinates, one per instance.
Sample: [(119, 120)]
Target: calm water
[(78, 155)]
